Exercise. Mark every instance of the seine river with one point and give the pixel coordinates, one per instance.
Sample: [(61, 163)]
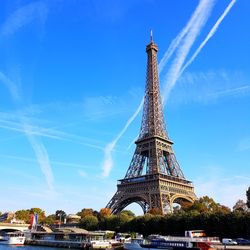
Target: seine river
[(6, 247)]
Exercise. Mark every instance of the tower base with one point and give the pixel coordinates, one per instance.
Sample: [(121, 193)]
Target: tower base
[(155, 191)]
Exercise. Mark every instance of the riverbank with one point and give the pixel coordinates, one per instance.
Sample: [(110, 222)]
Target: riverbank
[(58, 244), (234, 247)]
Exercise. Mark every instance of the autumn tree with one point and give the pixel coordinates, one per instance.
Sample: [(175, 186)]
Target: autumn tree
[(155, 211), (206, 204), (86, 212), (185, 206), (105, 212)]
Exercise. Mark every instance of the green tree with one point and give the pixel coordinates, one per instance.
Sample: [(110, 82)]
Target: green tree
[(50, 219), (89, 222), (154, 224), (23, 215), (248, 197), (116, 223), (240, 205), (128, 213), (60, 215), (40, 212)]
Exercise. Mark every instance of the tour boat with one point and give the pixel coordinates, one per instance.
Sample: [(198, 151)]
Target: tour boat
[(171, 243), (157, 244), (12, 238)]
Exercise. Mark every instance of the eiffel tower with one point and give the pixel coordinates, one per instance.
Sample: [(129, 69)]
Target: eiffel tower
[(154, 178)]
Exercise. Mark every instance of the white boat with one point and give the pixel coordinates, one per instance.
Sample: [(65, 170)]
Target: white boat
[(100, 244), (170, 243), (134, 244), (159, 244), (12, 238)]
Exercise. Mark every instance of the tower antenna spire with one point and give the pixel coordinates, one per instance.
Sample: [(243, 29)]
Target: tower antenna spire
[(151, 35)]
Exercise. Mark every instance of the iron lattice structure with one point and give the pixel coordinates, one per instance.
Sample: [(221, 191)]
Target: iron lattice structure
[(154, 178)]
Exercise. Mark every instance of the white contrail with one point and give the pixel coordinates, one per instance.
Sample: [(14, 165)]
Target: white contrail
[(17, 20), (108, 161), (41, 154), (175, 43), (23, 16), (231, 92), (185, 47), (199, 16), (50, 133), (210, 34), (37, 146), (11, 86)]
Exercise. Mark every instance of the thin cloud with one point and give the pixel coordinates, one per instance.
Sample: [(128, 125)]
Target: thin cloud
[(237, 178), (34, 130), (17, 20), (209, 76), (19, 174), (225, 191), (11, 87), (231, 92), (48, 133), (102, 107), (210, 34), (23, 16), (37, 146), (8, 121), (82, 173), (55, 163), (216, 84), (244, 144)]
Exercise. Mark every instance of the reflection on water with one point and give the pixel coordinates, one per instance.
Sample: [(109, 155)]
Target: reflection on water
[(6, 247)]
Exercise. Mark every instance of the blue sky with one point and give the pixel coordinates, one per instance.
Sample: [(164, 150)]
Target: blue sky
[(72, 76)]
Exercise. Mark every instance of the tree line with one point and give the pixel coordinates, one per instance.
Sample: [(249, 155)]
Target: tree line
[(204, 213)]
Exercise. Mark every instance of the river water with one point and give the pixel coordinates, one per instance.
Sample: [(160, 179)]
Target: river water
[(8, 247)]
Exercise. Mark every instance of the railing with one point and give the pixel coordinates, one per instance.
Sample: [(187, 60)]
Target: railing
[(191, 239), (173, 178), (152, 177)]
